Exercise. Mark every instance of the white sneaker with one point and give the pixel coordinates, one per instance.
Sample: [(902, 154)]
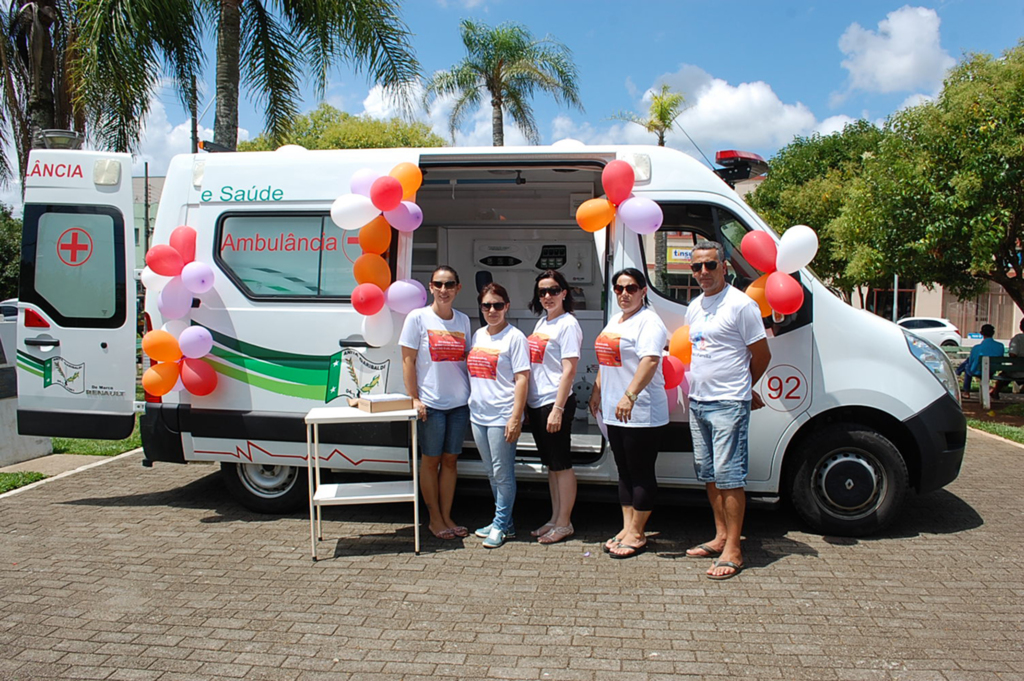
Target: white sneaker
[(495, 539)]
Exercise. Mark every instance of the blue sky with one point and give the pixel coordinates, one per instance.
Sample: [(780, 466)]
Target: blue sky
[(755, 74)]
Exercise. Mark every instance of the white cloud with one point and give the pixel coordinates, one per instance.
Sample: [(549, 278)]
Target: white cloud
[(914, 100), (833, 124), (163, 139), (903, 55)]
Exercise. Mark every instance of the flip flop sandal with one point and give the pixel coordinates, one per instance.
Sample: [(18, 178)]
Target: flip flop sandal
[(542, 530), (557, 534), (460, 531), (634, 550), (614, 542), (737, 568), (708, 552), (445, 534)]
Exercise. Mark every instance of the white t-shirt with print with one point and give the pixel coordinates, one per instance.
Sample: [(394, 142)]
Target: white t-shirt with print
[(493, 363), (619, 349), (550, 343), (721, 328), (440, 346)]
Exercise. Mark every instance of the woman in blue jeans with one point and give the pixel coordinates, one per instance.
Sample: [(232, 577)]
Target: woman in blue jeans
[(499, 372)]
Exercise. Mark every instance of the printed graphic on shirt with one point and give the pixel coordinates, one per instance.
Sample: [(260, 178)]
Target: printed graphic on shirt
[(483, 363), (446, 346), (699, 341), (538, 346), (607, 347)]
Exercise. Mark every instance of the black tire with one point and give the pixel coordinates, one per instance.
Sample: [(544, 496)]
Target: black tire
[(266, 489), (949, 344), (849, 481)]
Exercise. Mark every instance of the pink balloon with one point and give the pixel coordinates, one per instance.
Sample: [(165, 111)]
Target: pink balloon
[(195, 342), (197, 277), (759, 249), (175, 301), (617, 180), (406, 218), (183, 240), (784, 293), (386, 193), (362, 180), (641, 215), (198, 377), (367, 299), (164, 260), (673, 369), (405, 295)]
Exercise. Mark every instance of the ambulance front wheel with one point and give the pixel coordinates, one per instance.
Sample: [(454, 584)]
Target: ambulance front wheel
[(849, 481), (266, 489)]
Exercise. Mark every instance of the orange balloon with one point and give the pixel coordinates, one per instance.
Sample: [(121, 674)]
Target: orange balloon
[(370, 268), (595, 214), (161, 346), (410, 177), (756, 291), (375, 237), (679, 346), (160, 379)]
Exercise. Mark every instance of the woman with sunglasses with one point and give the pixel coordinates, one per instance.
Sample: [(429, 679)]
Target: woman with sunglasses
[(629, 397), (554, 353), (434, 341), (499, 371)]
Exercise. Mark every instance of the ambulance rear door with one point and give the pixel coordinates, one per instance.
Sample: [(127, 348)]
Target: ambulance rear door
[(77, 317)]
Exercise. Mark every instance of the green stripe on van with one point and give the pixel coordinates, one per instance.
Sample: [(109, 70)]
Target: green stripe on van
[(290, 359), (306, 392), (31, 361), (286, 373), (29, 368)]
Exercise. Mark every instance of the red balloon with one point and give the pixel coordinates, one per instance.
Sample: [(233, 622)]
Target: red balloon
[(164, 260), (386, 193), (784, 293), (673, 369), (617, 180), (183, 240), (367, 299), (198, 377), (759, 249)]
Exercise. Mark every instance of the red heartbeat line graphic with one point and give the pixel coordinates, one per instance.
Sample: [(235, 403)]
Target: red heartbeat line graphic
[(247, 453)]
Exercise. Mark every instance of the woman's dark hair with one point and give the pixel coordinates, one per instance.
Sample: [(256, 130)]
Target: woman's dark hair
[(446, 268), (536, 307), (634, 274), (496, 289)]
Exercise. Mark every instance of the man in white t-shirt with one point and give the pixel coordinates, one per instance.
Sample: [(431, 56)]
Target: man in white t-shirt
[(730, 354)]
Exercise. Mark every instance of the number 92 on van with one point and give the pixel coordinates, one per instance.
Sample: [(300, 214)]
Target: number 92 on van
[(784, 388)]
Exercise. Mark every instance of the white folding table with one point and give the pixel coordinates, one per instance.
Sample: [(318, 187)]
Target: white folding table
[(357, 492)]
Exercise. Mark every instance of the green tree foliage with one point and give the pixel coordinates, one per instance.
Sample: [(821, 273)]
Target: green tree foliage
[(943, 199), (329, 128), (808, 184), (10, 253), (666, 107), (269, 44), (508, 65)]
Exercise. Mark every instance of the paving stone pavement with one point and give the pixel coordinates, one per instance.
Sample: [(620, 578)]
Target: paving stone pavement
[(121, 572)]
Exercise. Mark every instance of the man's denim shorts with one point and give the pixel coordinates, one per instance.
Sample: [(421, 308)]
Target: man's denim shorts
[(444, 431), (719, 432)]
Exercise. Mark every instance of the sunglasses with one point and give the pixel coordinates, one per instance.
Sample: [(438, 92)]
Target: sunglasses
[(628, 288), (711, 265), (496, 306), (553, 291), (444, 284)]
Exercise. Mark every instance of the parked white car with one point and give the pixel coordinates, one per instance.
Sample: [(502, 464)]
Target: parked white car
[(941, 332), (9, 308)]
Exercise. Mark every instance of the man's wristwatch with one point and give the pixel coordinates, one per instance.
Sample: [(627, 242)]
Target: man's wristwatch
[(632, 397)]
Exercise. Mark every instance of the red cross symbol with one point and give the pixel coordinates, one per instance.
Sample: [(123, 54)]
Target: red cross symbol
[(71, 244)]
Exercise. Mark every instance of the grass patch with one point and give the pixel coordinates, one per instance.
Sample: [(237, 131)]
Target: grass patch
[(9, 481), (71, 445), (1013, 410), (1013, 433)]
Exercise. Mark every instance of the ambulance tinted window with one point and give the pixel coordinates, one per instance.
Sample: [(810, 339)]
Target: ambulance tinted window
[(73, 264), (288, 255)]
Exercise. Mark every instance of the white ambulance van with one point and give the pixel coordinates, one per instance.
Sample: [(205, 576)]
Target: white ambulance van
[(858, 412)]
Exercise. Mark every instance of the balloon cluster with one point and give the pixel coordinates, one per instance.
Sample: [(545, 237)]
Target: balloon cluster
[(676, 364), (173, 273), (640, 214), (378, 203), (777, 290)]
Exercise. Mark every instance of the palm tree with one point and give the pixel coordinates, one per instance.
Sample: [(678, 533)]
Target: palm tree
[(267, 43), (507, 63), (665, 108)]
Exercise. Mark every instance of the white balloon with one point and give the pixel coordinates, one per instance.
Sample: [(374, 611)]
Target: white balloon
[(152, 281), (352, 211), (797, 249), (378, 328), (175, 327)]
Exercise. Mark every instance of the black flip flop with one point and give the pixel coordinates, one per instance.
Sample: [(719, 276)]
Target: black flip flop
[(636, 550), (708, 552), (727, 563)]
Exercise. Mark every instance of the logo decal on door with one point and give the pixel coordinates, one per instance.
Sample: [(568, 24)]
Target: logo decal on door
[(59, 371), (74, 247)]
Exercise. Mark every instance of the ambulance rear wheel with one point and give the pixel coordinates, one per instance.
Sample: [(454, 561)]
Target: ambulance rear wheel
[(266, 489), (849, 481)]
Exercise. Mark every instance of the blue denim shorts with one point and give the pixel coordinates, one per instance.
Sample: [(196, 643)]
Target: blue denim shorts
[(719, 432), (444, 431)]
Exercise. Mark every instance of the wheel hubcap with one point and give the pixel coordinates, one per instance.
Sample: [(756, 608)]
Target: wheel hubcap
[(849, 483), (267, 481)]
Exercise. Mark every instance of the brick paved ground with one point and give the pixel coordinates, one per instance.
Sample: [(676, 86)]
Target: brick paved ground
[(120, 572)]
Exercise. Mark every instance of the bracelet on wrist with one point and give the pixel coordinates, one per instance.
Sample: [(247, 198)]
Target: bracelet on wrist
[(558, 408)]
